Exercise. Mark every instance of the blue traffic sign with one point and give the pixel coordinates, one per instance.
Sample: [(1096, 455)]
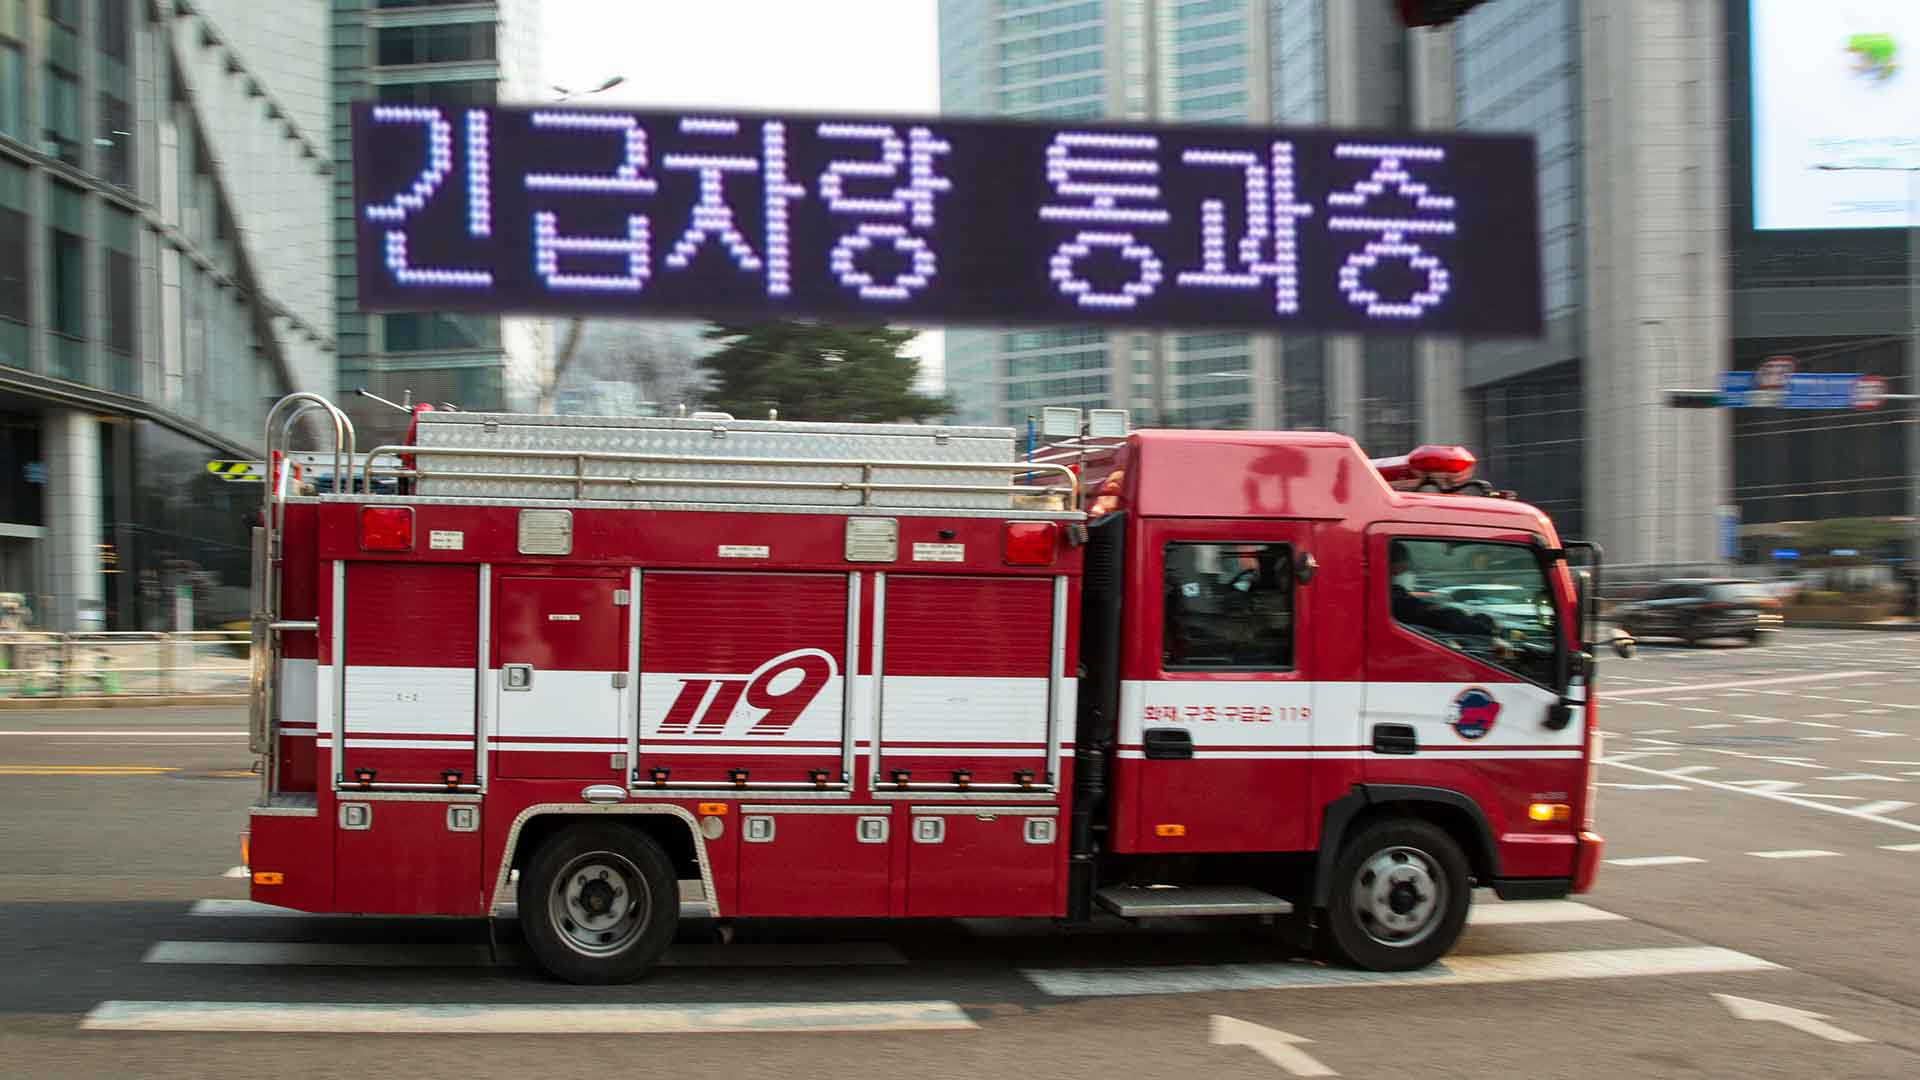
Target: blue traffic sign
[(1837, 391)]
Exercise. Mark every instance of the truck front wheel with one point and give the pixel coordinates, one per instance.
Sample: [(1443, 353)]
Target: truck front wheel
[(1399, 896), (599, 903)]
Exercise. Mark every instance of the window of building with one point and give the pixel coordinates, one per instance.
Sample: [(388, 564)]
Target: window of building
[(1227, 607), (113, 36), (122, 246), (67, 283), (15, 309), (440, 333), (13, 68), (1487, 600), (462, 92), (399, 45), (63, 115)]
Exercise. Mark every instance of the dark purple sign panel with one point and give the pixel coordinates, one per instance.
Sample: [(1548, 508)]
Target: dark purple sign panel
[(595, 211)]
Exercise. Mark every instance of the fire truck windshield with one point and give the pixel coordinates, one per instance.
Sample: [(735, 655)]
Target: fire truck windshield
[(1489, 600)]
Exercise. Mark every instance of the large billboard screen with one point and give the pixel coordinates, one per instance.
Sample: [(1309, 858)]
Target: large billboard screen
[(722, 214), (1836, 112)]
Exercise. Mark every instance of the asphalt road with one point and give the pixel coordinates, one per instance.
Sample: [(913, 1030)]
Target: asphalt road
[(1763, 808)]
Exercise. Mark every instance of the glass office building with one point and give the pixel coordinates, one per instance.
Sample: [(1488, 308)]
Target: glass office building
[(164, 182), (439, 52)]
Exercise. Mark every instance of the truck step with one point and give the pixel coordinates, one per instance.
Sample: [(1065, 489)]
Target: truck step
[(1161, 901)]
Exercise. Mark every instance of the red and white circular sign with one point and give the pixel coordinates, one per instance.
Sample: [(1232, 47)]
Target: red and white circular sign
[(1869, 391), (1773, 373)]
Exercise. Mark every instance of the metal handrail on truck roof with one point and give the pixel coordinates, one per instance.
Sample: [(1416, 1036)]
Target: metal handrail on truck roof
[(579, 478)]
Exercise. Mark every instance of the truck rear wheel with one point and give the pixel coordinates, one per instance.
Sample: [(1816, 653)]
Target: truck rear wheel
[(1399, 896), (599, 903)]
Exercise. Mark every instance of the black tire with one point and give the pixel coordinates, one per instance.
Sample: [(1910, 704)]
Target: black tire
[(1753, 637), (615, 916), (1354, 934)]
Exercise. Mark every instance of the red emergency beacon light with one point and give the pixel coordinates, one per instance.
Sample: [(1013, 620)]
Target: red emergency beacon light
[(1440, 467)]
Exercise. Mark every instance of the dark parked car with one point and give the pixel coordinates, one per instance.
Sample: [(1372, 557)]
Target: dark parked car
[(1695, 609)]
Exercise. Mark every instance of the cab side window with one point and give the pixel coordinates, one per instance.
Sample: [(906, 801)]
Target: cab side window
[(1227, 607), (1491, 601)]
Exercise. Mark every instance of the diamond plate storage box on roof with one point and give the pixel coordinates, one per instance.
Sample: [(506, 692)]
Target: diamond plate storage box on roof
[(710, 461)]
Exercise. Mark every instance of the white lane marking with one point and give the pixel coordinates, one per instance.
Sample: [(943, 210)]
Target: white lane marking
[(1629, 755), (1710, 727), (1900, 847), (1840, 778), (527, 1019), (1754, 719), (1533, 912), (1689, 770), (1878, 761), (1827, 716), (1767, 785), (1696, 708), (1656, 731), (1821, 677), (1645, 787), (123, 733), (1795, 853), (1679, 700), (1278, 1047), (1815, 723), (234, 872), (1869, 733), (1655, 860), (320, 954), (1888, 806), (1871, 712), (1452, 971), (1812, 1023)]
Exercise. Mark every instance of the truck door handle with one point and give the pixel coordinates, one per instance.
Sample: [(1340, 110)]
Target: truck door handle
[(1395, 739), (1167, 744), (516, 676)]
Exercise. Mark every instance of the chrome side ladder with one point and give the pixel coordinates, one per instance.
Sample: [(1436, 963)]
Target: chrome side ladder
[(265, 621)]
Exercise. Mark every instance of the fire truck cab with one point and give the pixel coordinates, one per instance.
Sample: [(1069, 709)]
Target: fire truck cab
[(604, 673)]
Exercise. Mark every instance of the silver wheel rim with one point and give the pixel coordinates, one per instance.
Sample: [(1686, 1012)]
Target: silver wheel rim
[(600, 903), (1399, 896)]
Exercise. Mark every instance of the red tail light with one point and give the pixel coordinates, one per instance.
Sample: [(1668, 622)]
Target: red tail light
[(386, 528), (1031, 543)]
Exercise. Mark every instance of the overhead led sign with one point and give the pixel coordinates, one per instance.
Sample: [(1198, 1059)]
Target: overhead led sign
[(594, 211)]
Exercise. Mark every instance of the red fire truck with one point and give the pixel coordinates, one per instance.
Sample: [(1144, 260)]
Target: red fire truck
[(608, 672)]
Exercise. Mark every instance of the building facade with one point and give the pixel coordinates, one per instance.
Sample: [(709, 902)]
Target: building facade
[(164, 180), (437, 52), (1184, 61), (1836, 300), (1626, 104)]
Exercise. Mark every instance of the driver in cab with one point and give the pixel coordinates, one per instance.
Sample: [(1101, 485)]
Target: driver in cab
[(1432, 616)]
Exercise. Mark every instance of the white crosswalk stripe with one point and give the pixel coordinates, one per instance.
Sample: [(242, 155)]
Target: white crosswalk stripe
[(1453, 971), (385, 1019), (326, 954)]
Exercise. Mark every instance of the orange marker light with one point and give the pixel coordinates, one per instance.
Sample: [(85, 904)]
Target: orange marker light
[(1542, 811), (713, 809), (268, 877), (1169, 830)]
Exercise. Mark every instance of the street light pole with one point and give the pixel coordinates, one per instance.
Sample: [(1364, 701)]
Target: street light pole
[(550, 386)]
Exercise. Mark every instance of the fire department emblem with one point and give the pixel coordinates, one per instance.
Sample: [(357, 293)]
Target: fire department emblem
[(1473, 712)]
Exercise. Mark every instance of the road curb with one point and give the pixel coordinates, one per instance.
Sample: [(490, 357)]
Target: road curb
[(128, 701)]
